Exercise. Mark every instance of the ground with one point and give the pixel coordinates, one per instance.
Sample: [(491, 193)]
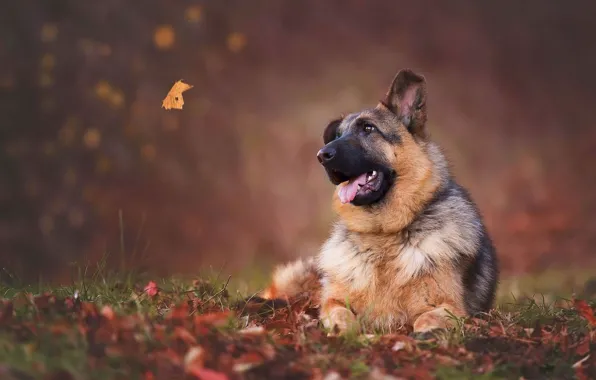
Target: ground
[(105, 326)]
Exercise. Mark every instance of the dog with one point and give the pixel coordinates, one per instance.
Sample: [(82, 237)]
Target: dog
[(409, 247)]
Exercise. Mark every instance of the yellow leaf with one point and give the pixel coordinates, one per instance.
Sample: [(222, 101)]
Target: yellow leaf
[(174, 98)]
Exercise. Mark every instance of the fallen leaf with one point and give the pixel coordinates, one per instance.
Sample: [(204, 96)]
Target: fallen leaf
[(151, 289), (215, 319), (398, 346), (209, 374), (585, 311), (194, 359), (583, 348), (174, 98), (255, 330), (184, 335), (6, 312), (107, 312), (580, 362)]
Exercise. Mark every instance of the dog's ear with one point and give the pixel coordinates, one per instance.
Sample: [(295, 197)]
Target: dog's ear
[(407, 99), (330, 132)]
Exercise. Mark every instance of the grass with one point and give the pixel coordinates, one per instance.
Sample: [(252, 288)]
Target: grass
[(103, 325)]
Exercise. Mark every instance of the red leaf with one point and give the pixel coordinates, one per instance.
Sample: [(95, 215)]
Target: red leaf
[(208, 374), (583, 348), (215, 319), (108, 312), (585, 311), (6, 312), (151, 289)]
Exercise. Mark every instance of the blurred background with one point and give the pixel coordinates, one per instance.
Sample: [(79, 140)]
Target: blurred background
[(91, 166)]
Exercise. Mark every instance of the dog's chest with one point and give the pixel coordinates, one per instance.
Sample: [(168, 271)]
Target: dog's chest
[(375, 274)]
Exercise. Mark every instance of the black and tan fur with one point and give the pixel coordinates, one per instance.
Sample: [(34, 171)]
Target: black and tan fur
[(411, 249)]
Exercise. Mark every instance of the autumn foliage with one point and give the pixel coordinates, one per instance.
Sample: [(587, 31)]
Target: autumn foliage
[(196, 331)]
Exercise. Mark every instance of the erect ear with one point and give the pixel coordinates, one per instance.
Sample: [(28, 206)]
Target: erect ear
[(407, 99), (330, 132)]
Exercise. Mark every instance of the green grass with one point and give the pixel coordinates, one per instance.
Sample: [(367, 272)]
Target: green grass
[(45, 338)]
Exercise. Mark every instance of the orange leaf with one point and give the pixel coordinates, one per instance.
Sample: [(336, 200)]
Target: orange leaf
[(174, 98), (585, 311)]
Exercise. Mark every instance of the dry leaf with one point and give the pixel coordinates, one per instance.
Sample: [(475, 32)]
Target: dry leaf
[(174, 98), (151, 289), (585, 311)]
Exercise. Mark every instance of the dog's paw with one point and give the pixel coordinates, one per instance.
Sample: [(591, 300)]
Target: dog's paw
[(340, 321), (426, 335), (438, 318)]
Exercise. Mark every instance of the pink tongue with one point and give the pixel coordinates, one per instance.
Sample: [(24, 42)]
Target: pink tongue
[(347, 192)]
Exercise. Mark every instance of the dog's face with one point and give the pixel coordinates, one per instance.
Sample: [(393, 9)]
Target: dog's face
[(366, 153)]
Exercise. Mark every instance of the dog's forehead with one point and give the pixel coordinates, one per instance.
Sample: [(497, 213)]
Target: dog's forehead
[(375, 115), (348, 120)]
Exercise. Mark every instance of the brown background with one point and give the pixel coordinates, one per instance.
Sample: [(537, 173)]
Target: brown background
[(233, 177)]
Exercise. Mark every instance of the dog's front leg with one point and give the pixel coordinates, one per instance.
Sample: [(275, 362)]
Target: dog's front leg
[(438, 318), (335, 314)]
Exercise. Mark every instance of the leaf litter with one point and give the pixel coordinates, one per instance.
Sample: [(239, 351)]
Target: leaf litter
[(193, 333)]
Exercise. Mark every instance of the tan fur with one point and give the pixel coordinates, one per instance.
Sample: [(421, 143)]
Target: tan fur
[(418, 182), (383, 264), (294, 278)]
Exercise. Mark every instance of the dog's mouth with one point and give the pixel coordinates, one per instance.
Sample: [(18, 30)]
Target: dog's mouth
[(364, 189)]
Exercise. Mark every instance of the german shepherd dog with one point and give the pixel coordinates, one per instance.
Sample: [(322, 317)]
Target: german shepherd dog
[(409, 246)]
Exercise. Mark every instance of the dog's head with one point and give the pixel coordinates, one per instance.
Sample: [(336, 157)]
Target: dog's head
[(369, 154)]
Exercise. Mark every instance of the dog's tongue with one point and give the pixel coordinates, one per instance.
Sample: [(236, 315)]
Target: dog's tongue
[(347, 192)]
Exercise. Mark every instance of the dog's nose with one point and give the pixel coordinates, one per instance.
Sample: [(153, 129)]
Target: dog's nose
[(326, 154)]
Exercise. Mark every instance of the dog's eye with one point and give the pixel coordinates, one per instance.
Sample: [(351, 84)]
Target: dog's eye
[(337, 134), (368, 128)]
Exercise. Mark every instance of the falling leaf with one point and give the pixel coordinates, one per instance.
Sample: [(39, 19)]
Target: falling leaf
[(151, 289), (585, 311), (174, 98)]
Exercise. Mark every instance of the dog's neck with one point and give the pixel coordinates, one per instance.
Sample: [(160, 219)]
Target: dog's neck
[(407, 198)]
